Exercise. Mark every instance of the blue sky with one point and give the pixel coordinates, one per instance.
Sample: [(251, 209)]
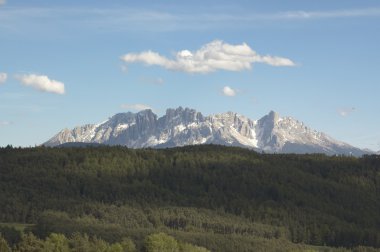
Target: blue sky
[(68, 63)]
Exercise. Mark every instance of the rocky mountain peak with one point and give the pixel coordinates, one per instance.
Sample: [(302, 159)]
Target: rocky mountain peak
[(274, 116), (121, 118), (181, 116), (270, 119), (147, 115), (185, 126), (267, 125)]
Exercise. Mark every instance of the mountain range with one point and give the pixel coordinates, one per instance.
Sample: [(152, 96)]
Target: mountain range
[(179, 127)]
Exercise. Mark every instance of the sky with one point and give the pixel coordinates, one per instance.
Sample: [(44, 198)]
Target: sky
[(69, 63)]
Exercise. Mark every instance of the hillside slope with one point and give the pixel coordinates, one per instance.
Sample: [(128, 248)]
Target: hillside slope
[(110, 191)]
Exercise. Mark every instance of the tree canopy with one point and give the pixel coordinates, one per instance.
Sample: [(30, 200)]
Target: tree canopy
[(196, 194)]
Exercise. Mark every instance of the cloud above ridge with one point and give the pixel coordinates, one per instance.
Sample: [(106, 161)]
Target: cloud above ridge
[(5, 123), (216, 55), (3, 77), (227, 91), (136, 107), (42, 83), (344, 112)]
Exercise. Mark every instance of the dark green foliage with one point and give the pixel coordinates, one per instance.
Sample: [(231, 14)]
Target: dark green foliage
[(204, 195), (163, 242), (128, 245), (4, 246), (29, 243), (60, 243), (10, 234)]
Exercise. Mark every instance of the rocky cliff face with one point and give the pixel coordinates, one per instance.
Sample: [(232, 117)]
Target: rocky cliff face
[(179, 127)]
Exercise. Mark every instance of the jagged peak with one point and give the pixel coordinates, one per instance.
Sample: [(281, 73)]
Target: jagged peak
[(64, 130), (182, 126), (121, 115), (146, 115), (179, 109), (230, 115), (187, 114), (224, 114), (146, 111), (119, 118), (273, 115), (271, 119)]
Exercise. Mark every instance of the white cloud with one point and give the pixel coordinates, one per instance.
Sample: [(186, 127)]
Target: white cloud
[(329, 14), (2, 2), (152, 80), (227, 91), (136, 107), (166, 18), (3, 77), (346, 111), (42, 83), (5, 123), (211, 57)]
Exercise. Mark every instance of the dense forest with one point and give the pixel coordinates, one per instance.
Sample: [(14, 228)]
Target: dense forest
[(194, 198)]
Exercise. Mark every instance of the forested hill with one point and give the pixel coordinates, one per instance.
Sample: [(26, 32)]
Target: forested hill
[(220, 198)]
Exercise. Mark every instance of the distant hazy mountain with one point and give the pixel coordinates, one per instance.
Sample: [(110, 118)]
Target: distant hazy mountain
[(179, 127)]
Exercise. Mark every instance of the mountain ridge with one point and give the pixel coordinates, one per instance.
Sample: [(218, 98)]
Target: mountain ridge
[(186, 126)]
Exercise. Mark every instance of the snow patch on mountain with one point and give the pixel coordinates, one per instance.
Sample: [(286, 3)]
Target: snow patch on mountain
[(179, 127)]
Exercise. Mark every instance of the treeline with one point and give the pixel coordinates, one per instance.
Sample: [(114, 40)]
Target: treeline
[(84, 243), (214, 190)]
